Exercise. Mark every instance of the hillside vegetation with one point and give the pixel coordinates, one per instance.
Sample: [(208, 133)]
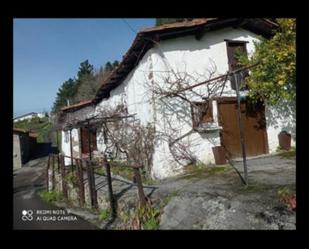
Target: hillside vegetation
[(41, 126)]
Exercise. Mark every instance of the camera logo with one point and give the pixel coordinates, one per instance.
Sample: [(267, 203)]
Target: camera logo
[(27, 215)]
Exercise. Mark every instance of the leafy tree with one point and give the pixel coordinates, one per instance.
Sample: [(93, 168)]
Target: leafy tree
[(274, 77), (66, 92), (115, 64), (85, 86), (85, 82), (85, 69), (108, 67)]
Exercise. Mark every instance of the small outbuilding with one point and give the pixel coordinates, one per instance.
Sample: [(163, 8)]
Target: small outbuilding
[(24, 144)]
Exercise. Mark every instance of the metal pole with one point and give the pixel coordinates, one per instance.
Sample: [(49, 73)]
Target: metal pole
[(89, 140), (71, 149), (241, 129)]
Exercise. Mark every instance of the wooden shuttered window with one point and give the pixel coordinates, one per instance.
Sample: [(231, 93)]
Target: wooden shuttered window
[(201, 113), (233, 48)]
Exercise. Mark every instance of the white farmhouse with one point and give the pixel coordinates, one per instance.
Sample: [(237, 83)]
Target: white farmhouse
[(155, 82), (29, 116)]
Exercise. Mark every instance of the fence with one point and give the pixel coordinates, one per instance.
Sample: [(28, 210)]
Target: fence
[(56, 165)]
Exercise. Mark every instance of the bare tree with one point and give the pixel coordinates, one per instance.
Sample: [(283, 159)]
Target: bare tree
[(176, 99)]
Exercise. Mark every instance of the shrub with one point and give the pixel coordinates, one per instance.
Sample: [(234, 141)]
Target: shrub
[(51, 196), (104, 214), (288, 198)]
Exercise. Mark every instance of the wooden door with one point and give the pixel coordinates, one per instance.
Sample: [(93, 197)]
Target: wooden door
[(85, 133), (253, 119)]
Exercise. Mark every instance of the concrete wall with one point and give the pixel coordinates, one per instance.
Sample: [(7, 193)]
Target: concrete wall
[(280, 118), (81, 114), (65, 145), (24, 147), (17, 163)]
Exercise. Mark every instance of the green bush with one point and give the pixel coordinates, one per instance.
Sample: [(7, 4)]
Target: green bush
[(72, 179), (51, 196), (151, 224), (149, 217), (104, 214)]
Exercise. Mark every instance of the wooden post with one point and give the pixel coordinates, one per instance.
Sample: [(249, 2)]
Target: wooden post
[(71, 150), (63, 177), (53, 172), (58, 163), (110, 187), (47, 173), (80, 181), (57, 132), (89, 139), (91, 184), (140, 189), (241, 129)]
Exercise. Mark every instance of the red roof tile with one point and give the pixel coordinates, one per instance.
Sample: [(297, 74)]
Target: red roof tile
[(77, 105), (146, 38)]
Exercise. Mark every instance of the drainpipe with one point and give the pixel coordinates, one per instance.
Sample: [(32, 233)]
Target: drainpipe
[(241, 129)]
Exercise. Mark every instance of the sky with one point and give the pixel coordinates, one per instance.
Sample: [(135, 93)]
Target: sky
[(47, 52)]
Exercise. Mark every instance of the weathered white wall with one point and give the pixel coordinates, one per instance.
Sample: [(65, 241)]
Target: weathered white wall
[(195, 57), (65, 141), (133, 93), (280, 118), (179, 54)]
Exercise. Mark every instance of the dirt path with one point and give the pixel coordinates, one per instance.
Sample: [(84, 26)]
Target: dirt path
[(28, 181)]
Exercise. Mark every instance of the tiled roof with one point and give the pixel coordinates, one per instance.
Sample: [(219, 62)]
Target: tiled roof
[(77, 105), (146, 38)]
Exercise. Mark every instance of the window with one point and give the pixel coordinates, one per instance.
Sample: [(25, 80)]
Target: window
[(233, 49), (201, 113)]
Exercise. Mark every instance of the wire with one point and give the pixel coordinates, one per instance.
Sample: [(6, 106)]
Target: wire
[(128, 25)]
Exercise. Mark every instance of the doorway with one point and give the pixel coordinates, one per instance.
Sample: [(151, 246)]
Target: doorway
[(254, 123)]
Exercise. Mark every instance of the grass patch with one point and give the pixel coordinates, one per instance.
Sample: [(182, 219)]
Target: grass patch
[(149, 181), (141, 218), (41, 126), (71, 179), (251, 188), (51, 196), (149, 217), (168, 198), (288, 154), (151, 224), (104, 214), (122, 169)]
